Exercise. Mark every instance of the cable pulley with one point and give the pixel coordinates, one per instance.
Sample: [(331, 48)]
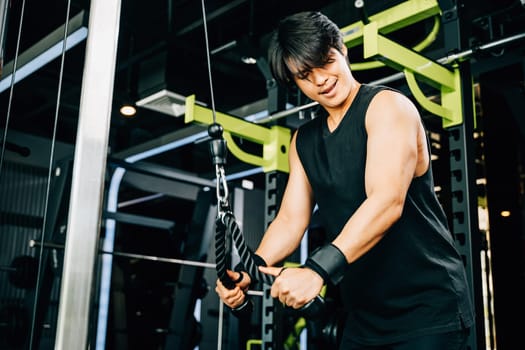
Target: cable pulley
[(217, 144), (22, 272)]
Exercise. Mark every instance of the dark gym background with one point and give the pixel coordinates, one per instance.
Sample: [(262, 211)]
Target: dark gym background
[(165, 207)]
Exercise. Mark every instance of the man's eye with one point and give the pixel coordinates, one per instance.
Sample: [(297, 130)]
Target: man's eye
[(303, 75), (328, 61)]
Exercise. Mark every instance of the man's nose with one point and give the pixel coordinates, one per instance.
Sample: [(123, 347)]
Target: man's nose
[(319, 78)]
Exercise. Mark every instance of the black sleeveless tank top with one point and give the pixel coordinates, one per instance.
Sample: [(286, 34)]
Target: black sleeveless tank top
[(413, 281)]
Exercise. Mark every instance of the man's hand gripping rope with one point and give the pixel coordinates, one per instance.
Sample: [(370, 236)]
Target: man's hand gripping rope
[(228, 230)]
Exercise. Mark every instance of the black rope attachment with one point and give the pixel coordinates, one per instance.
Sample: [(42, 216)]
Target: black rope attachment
[(223, 244), (228, 233), (227, 223)]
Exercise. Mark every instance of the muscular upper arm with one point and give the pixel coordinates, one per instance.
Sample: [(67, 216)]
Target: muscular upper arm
[(394, 135), (393, 157)]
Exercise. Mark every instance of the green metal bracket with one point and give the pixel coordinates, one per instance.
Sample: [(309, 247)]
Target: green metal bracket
[(275, 140), (252, 342), (447, 81), (392, 19), (414, 65)]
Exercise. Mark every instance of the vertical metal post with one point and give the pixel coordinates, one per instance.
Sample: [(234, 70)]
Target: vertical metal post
[(464, 201), (89, 168), (4, 5), (465, 223), (270, 323)]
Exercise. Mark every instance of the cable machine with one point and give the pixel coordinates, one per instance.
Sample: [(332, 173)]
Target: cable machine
[(450, 77)]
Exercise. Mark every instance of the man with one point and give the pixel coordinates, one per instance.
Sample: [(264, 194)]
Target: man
[(366, 164)]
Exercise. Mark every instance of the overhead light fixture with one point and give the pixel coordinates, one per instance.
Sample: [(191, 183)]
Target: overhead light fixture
[(248, 60), (164, 101), (160, 86), (128, 110), (45, 51)]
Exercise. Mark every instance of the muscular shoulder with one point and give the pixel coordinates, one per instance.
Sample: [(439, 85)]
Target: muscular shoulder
[(391, 106)]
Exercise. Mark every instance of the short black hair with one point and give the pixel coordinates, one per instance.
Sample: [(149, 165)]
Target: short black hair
[(304, 38)]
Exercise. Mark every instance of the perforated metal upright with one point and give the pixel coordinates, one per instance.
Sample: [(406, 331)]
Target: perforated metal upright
[(465, 224), (274, 188), (275, 181)]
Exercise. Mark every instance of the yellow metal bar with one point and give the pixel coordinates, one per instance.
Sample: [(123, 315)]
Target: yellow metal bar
[(399, 57), (355, 66), (275, 140), (276, 150), (252, 342), (392, 19), (430, 106), (415, 65), (293, 340), (452, 99), (239, 153)]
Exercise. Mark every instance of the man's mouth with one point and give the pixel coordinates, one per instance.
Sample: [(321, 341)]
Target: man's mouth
[(328, 89)]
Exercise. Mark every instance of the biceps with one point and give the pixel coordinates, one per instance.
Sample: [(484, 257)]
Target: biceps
[(391, 162)]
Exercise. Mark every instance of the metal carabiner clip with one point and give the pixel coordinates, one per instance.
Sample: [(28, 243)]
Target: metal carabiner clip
[(221, 189)]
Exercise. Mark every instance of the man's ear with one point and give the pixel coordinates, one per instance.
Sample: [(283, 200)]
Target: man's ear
[(344, 50)]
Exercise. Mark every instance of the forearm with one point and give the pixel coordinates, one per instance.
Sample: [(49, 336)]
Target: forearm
[(279, 241), (363, 230), (367, 226)]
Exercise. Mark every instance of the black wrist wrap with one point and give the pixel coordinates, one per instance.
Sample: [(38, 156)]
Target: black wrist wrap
[(244, 310), (329, 262)]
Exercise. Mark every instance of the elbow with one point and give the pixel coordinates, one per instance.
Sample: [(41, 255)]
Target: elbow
[(388, 207), (395, 209)]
